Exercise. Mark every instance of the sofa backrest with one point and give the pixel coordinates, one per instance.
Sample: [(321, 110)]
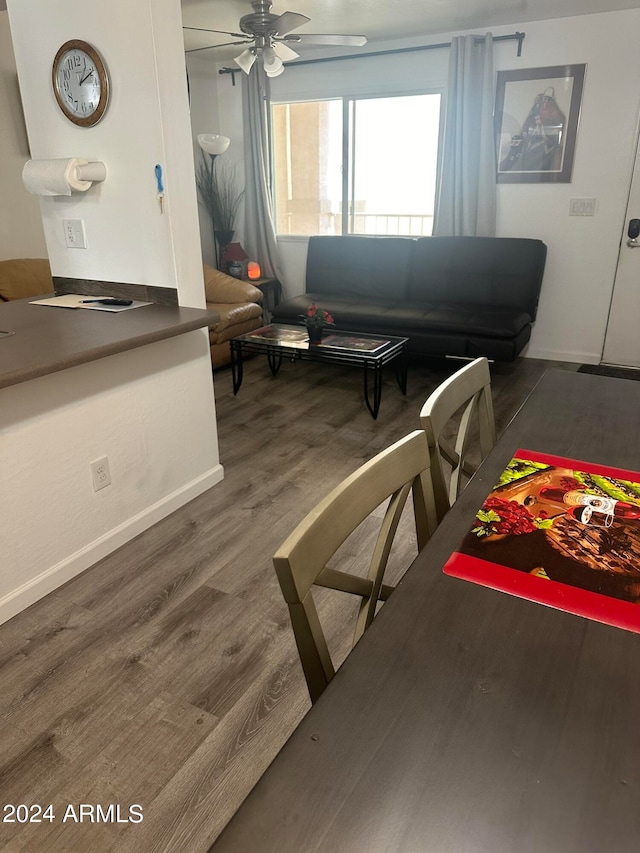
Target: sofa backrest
[(485, 270), (367, 267)]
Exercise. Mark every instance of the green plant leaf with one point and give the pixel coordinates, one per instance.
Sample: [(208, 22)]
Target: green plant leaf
[(216, 182), (487, 515)]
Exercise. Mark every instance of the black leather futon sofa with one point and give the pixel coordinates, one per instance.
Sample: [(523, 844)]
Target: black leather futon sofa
[(458, 296)]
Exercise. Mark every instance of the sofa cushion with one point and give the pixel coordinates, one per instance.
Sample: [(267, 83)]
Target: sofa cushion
[(483, 270), (405, 318), (366, 267), (23, 277)]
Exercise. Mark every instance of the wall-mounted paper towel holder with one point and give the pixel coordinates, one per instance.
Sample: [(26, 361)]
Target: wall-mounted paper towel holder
[(92, 171), (61, 176)]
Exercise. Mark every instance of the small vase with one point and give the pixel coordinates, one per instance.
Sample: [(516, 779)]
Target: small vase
[(315, 334)]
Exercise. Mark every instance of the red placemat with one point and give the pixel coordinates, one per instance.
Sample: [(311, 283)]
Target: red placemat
[(561, 532)]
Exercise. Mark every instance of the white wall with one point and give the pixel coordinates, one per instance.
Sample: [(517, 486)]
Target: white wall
[(21, 234), (582, 250), (147, 410), (151, 410), (147, 122)]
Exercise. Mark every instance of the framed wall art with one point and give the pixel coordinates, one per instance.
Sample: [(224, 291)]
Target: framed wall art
[(536, 123)]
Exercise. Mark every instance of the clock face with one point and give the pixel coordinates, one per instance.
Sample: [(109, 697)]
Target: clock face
[(80, 83)]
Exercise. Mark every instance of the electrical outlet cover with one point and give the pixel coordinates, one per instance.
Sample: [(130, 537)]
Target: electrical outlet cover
[(100, 474)]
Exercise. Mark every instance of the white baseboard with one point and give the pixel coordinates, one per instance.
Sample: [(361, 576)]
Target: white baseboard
[(555, 355), (22, 597)]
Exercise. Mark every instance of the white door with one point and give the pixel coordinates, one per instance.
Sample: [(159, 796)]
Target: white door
[(622, 340)]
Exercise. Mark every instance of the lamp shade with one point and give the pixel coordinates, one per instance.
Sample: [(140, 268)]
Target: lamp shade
[(245, 60), (213, 143), (271, 61), (235, 252)]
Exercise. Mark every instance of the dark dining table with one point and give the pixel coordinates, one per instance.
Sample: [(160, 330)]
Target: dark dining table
[(468, 720)]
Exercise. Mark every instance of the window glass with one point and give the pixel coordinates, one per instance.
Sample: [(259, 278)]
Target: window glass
[(386, 147)]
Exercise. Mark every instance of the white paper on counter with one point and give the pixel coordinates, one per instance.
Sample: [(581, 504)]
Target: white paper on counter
[(76, 300)]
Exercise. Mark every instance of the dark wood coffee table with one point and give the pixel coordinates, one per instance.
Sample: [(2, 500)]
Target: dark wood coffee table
[(370, 352)]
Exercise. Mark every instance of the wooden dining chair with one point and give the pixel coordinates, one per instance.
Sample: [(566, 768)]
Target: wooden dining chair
[(471, 385), (301, 562)]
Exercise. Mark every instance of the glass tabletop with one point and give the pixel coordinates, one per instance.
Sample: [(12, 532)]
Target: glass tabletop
[(296, 337)]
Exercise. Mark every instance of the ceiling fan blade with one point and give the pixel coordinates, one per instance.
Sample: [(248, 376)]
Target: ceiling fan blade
[(284, 52), (223, 32), (322, 38), (288, 21), (212, 46)]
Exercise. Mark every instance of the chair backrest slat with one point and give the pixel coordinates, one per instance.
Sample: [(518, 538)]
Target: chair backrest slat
[(471, 385)]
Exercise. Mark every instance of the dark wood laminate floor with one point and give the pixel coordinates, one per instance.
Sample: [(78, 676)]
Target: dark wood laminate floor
[(166, 675)]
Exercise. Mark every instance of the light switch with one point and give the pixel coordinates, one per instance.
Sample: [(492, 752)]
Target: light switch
[(582, 207), (74, 236)]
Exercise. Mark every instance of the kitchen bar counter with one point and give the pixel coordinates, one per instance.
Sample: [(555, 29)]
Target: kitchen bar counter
[(49, 339)]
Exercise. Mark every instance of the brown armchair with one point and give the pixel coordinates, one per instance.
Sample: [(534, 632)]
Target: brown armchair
[(23, 277), (239, 305)]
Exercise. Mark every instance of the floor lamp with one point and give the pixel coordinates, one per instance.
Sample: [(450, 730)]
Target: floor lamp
[(213, 144)]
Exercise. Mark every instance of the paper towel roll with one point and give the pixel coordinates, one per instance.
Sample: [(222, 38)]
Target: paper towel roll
[(54, 177)]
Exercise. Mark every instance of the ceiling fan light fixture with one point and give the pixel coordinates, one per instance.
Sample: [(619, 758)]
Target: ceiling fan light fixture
[(246, 60), (275, 73), (272, 62), (284, 51), (266, 37)]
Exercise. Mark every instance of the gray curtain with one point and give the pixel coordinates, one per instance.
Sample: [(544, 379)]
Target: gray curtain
[(260, 234), (466, 202)]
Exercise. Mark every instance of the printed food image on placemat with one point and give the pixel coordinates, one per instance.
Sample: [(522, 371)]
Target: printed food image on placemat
[(561, 532)]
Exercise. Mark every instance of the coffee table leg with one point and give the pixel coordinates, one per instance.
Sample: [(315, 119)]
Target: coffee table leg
[(377, 389), (236, 365), (275, 360), (402, 369)]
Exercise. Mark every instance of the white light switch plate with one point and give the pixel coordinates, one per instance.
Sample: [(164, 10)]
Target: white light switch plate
[(582, 207)]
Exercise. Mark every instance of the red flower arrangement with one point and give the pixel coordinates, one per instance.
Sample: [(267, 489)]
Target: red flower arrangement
[(316, 317)]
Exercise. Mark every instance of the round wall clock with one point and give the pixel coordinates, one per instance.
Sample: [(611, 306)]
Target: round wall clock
[(80, 82)]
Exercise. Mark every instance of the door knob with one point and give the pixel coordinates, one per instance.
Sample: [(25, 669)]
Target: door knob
[(633, 232)]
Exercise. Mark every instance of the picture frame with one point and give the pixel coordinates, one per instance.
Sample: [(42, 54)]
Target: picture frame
[(536, 119)]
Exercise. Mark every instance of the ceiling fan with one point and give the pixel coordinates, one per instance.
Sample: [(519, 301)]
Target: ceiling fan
[(268, 36)]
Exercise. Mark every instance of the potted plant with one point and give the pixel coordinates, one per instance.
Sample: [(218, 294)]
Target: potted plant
[(316, 320), (218, 189)]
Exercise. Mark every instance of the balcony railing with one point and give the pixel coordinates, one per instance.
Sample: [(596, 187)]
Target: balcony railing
[(370, 224), (390, 224)]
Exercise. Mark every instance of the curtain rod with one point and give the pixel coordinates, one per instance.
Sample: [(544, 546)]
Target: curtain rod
[(517, 36), (512, 37)]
